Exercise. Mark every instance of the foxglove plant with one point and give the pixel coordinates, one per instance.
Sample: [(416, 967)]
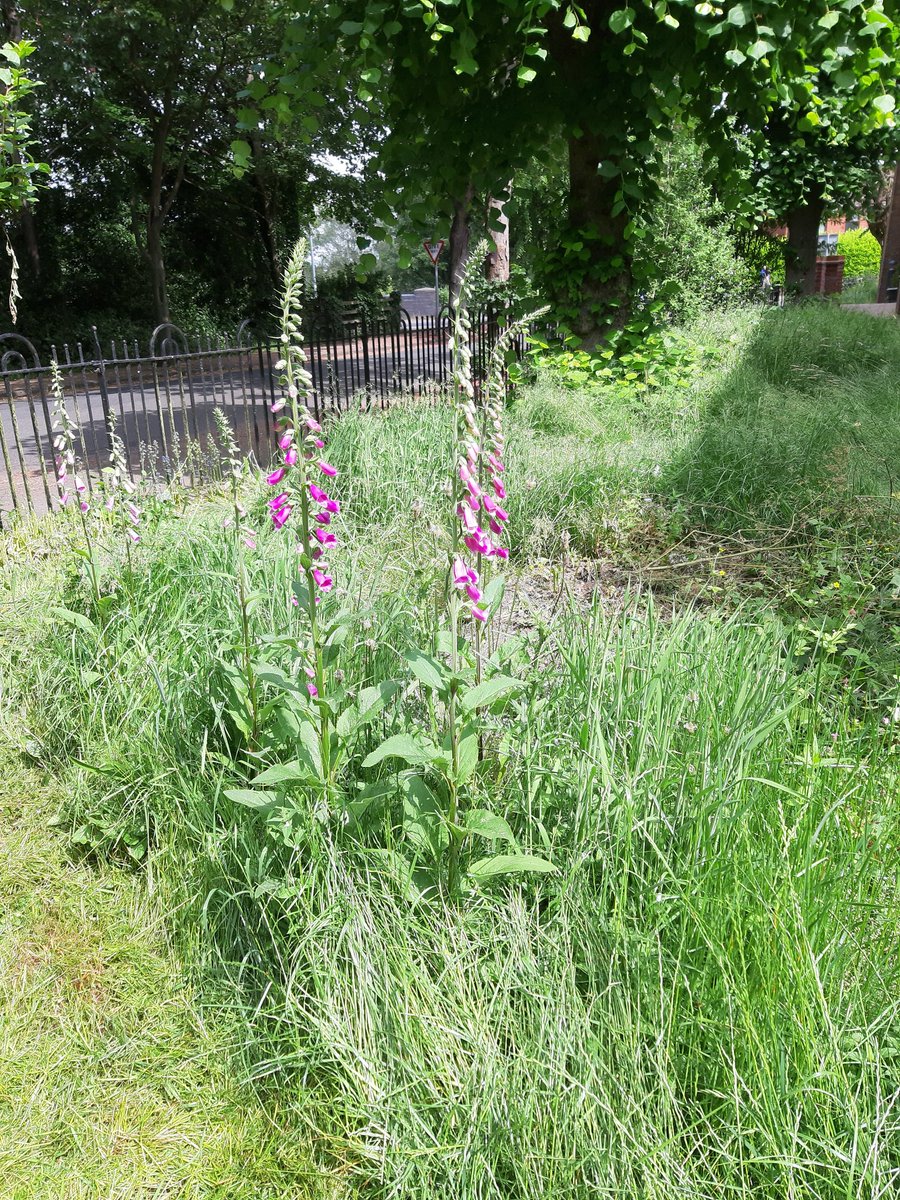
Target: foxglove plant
[(243, 536), (494, 448), (120, 490), (327, 717), (73, 490), (301, 476), (478, 523)]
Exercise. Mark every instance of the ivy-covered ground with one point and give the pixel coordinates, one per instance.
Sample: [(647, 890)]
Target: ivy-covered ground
[(701, 613)]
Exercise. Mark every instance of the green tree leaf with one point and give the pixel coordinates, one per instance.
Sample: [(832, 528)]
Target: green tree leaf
[(740, 15), (621, 19), (760, 49)]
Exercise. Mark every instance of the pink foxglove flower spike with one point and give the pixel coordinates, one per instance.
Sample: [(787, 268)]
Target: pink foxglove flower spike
[(302, 501)]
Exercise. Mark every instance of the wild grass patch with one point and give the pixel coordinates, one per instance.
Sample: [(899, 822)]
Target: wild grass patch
[(699, 998)]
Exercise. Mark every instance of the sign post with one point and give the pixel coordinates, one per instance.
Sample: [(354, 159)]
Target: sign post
[(433, 250)]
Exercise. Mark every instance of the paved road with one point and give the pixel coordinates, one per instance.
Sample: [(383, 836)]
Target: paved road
[(419, 303), (158, 423), (874, 310)]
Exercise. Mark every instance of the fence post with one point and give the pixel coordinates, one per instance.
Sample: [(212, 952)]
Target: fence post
[(104, 392), (364, 333)]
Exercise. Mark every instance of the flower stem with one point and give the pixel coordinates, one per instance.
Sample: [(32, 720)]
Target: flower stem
[(307, 564), (453, 807)]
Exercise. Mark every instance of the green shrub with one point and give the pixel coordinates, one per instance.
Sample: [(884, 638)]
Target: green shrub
[(340, 290), (861, 251), (687, 260)]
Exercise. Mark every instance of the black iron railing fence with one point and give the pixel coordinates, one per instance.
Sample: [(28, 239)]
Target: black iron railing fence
[(163, 399)]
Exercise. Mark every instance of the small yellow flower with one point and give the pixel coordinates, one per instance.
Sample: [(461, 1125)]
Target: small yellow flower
[(836, 584)]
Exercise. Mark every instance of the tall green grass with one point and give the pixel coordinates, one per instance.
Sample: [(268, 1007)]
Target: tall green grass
[(802, 433), (703, 1001), (862, 290), (795, 428)]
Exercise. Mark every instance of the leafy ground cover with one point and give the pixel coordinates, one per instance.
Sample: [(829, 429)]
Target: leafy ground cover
[(701, 1000)]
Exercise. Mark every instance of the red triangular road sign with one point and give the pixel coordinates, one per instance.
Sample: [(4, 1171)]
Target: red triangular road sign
[(434, 251)]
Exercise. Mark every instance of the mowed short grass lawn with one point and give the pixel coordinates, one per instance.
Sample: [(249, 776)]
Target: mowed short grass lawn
[(111, 1084)]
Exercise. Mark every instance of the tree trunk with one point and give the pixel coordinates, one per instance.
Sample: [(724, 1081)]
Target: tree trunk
[(459, 242), (12, 22), (29, 236), (802, 243), (156, 259), (603, 281), (158, 206), (264, 210), (879, 206), (496, 264), (890, 247)]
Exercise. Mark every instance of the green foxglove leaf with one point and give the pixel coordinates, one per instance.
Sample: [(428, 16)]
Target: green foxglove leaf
[(407, 748), (489, 691), (423, 817), (487, 825), (369, 796), (427, 670), (278, 679), (467, 754), (301, 770), (492, 595), (252, 799), (510, 864), (301, 593), (369, 703), (79, 620)]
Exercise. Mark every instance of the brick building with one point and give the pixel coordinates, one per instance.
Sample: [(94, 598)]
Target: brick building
[(829, 231)]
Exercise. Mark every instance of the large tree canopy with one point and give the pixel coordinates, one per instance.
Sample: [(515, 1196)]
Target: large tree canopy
[(472, 91), (799, 175), (145, 109)]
